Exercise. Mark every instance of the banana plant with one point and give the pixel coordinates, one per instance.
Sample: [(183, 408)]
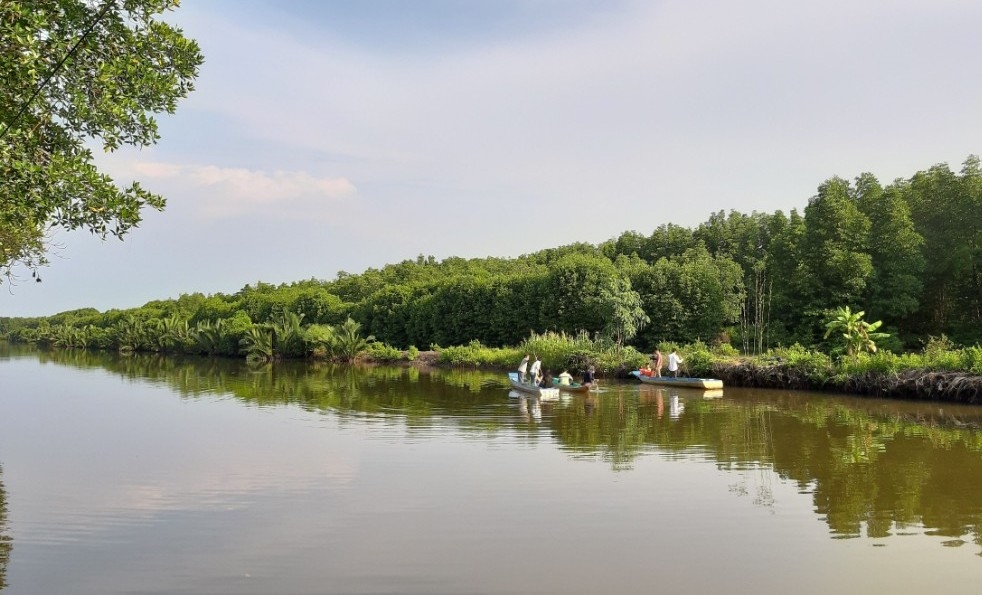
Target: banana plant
[(857, 334)]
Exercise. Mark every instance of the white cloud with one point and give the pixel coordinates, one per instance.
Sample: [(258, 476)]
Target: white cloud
[(231, 192), (668, 100)]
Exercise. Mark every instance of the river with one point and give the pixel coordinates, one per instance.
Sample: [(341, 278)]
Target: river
[(149, 474)]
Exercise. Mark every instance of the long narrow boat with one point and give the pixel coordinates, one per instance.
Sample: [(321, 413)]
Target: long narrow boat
[(545, 393), (705, 383)]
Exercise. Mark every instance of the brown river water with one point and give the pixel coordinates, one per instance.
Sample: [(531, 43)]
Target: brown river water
[(156, 475)]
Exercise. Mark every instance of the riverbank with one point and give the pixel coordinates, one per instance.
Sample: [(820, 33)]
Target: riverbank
[(918, 385), (941, 375)]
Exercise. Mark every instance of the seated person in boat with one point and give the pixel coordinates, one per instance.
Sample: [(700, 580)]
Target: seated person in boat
[(646, 371), (565, 379), (546, 380)]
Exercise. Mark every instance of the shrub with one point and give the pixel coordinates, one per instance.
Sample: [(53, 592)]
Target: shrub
[(554, 349), (883, 362), (382, 352), (972, 360), (697, 359), (815, 366), (476, 354)]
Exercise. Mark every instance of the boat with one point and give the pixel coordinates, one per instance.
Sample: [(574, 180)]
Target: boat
[(575, 387), (704, 383), (545, 393)]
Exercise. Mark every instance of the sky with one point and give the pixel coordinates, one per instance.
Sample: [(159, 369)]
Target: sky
[(328, 136)]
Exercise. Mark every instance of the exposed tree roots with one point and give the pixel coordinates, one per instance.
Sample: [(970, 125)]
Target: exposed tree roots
[(925, 385)]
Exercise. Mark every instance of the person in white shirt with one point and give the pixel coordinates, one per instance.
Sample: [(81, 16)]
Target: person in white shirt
[(534, 371), (673, 363), (522, 367), (565, 379)]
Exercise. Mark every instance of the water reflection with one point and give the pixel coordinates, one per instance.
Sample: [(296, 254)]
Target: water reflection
[(5, 541), (530, 407), (872, 468)]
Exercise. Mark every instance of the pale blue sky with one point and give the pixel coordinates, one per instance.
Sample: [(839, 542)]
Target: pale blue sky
[(327, 136)]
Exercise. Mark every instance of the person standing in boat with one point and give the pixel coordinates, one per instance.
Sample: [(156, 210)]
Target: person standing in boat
[(659, 362), (535, 371), (522, 368), (673, 363)]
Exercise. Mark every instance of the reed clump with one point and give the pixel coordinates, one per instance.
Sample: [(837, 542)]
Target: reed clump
[(558, 351)]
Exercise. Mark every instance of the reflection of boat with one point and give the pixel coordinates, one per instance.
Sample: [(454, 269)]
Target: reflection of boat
[(544, 393), (708, 383), (712, 394)]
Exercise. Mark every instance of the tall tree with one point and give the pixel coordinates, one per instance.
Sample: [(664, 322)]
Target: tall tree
[(694, 296), (621, 310), (894, 288), (746, 240), (947, 212), (573, 301), (77, 73), (668, 241), (835, 250), (971, 183), (788, 280)]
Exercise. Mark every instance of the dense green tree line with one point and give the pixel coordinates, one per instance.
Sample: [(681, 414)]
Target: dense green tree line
[(909, 254)]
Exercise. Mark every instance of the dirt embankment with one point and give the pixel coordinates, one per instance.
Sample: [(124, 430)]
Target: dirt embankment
[(427, 358), (921, 385)]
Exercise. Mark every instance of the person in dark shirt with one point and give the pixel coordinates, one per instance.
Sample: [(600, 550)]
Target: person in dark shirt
[(590, 376)]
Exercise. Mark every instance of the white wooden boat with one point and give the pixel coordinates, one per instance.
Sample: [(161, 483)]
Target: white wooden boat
[(545, 393), (704, 383)]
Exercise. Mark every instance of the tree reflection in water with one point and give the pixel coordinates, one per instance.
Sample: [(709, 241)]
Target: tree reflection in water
[(871, 472), (5, 541)]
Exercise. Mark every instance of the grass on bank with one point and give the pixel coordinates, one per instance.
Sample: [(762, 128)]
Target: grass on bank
[(560, 351)]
